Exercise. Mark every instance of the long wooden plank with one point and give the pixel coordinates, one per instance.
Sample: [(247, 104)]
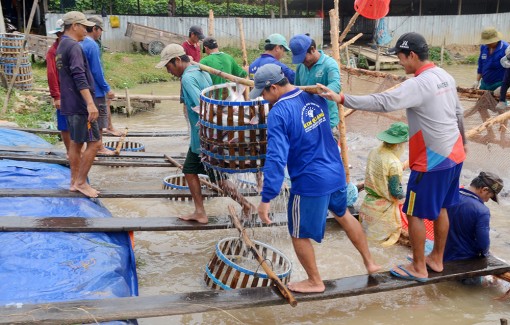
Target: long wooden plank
[(133, 134), (4, 150), (110, 194), (101, 161), (117, 224), (87, 311)]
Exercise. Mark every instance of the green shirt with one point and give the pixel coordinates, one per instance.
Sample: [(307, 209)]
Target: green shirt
[(223, 62), (193, 81), (326, 72)]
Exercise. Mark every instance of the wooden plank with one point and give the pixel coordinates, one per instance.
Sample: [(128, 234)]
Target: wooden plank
[(60, 152), (371, 55), (101, 310), (110, 194), (102, 161), (132, 134), (117, 224)]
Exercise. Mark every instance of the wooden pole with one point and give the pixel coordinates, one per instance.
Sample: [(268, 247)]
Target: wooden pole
[(202, 181), (341, 112), (348, 27), (276, 280), (239, 21), (18, 59), (121, 142), (210, 31), (246, 82), (2, 23), (128, 104)]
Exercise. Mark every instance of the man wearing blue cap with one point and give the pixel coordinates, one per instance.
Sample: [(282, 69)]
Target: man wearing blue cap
[(275, 48), (299, 137), (316, 67)]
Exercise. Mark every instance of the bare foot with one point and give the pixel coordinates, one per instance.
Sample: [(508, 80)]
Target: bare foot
[(306, 286), (248, 212), (198, 217), (72, 188), (372, 267), (433, 265), (87, 190), (113, 132), (106, 152)]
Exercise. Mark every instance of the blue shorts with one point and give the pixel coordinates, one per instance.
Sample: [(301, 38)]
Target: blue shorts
[(307, 214), (61, 122), (428, 192)]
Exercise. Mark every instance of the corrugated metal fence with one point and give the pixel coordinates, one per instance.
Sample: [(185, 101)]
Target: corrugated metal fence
[(225, 29), (464, 29)]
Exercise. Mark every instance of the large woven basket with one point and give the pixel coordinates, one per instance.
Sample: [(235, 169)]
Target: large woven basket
[(233, 265), (233, 134), (126, 146), (178, 182)]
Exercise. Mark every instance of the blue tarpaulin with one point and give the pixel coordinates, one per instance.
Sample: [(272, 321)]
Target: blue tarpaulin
[(38, 267)]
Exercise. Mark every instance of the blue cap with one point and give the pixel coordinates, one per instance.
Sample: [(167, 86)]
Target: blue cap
[(266, 75), (299, 45)]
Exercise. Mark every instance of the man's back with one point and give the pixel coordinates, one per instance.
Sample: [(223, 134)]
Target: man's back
[(468, 235), (223, 62), (93, 54), (73, 72), (299, 133)]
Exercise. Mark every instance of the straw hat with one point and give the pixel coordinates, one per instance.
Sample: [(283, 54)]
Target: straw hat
[(490, 35)]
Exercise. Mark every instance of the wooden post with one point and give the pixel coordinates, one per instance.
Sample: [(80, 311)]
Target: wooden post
[(377, 62), (341, 112), (20, 54), (245, 54), (442, 50), (128, 104), (210, 31), (2, 24)]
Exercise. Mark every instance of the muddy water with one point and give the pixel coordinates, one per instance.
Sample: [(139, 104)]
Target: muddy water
[(173, 262)]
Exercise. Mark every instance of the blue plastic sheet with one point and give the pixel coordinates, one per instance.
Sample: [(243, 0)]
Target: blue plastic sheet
[(38, 267)]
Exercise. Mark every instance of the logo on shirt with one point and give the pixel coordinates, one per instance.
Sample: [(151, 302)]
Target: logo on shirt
[(312, 116), (442, 85), (319, 74)]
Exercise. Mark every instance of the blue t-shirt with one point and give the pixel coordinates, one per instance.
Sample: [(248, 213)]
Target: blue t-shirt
[(325, 71), (489, 66), (193, 81), (299, 137), (268, 58), (468, 235), (74, 75), (93, 54)]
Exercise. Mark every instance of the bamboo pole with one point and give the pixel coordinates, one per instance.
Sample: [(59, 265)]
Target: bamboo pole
[(247, 82), (239, 21), (202, 181), (276, 280), (121, 142), (349, 42), (210, 31), (502, 118), (341, 111), (128, 103), (348, 27), (18, 59)]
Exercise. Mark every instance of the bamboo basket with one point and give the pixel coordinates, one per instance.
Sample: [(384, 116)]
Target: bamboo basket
[(233, 265), (126, 146), (230, 139), (178, 182)]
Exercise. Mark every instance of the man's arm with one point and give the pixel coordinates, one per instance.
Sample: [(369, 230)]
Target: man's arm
[(96, 68), (482, 237)]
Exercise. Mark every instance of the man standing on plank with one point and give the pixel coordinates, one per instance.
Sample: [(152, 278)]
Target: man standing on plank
[(436, 147), (77, 101), (299, 137)]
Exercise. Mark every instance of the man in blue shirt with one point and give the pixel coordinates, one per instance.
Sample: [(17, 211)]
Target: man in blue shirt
[(490, 72), (193, 81), (316, 67), (275, 46), (299, 137), (468, 235)]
